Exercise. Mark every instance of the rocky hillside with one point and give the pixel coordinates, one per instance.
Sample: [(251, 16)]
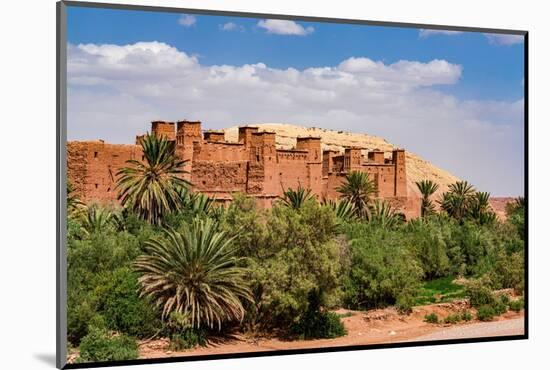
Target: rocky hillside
[(417, 168)]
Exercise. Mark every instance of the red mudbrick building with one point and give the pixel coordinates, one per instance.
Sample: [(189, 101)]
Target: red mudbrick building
[(253, 165)]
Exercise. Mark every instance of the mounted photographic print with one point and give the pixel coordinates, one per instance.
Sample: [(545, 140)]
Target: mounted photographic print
[(238, 185)]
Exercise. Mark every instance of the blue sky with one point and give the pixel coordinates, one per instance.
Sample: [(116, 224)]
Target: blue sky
[(411, 85), (490, 71)]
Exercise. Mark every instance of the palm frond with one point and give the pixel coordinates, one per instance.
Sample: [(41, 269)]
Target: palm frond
[(358, 189), (150, 188), (194, 273)]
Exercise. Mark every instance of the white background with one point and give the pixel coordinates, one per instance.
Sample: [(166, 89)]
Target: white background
[(27, 182)]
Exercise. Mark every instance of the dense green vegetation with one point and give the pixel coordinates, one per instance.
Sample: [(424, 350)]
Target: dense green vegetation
[(171, 263)]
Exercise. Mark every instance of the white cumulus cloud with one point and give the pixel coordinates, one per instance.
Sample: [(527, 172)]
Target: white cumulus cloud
[(114, 91), (231, 26), (284, 27), (504, 39), (427, 32), (187, 20)]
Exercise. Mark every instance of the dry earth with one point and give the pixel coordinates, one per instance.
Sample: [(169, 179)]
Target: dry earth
[(499, 205), (373, 327)]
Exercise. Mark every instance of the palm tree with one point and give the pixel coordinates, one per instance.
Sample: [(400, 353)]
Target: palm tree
[(458, 200), (96, 219), (75, 206), (195, 273), (150, 188), (481, 210), (295, 199), (427, 188), (358, 189), (383, 215), (196, 203), (343, 209)]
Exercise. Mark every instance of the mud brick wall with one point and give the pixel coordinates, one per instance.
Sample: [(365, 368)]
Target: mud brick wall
[(92, 168), (292, 169), (253, 165), (219, 177)]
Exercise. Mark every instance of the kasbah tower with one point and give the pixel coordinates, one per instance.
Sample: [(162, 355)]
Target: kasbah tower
[(253, 165)]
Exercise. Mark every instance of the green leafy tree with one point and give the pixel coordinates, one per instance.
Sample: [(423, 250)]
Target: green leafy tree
[(149, 189), (296, 253), (427, 188), (359, 189), (515, 213), (194, 272)]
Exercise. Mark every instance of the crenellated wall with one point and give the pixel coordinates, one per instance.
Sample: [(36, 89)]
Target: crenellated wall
[(252, 165)]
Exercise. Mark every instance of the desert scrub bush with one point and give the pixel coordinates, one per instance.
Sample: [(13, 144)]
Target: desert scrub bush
[(99, 345), (431, 318), (504, 299), (508, 270), (516, 305), (466, 316), (479, 293), (499, 307), (405, 304), (187, 339), (486, 313), (316, 323), (181, 333), (452, 319)]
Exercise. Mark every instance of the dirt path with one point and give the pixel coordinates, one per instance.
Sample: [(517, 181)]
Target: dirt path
[(377, 326), (477, 330)]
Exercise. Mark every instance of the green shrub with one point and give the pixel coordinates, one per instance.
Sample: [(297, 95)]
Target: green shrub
[(486, 313), (466, 316), (452, 319), (479, 293), (297, 254), (383, 271), (187, 339), (507, 271), (122, 307), (516, 305), (431, 318), (499, 307), (405, 304), (316, 324), (505, 299), (98, 345)]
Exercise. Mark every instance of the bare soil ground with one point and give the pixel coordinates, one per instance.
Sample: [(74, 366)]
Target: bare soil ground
[(372, 327)]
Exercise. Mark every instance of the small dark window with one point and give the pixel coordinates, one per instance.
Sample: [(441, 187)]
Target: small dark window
[(257, 157), (96, 186), (204, 182), (142, 157), (95, 154)]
